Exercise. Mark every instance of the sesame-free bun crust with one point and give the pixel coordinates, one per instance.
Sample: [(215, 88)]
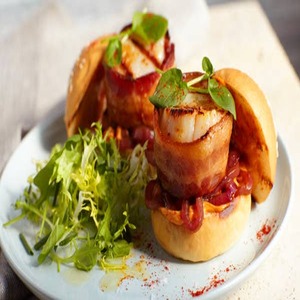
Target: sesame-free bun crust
[(254, 133), (218, 233), (85, 97)]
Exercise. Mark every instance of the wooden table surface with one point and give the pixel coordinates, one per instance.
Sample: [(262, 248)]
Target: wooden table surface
[(36, 58)]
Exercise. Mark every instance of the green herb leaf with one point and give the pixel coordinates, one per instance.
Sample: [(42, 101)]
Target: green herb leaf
[(41, 242), (221, 96), (68, 239), (148, 28), (113, 53), (54, 237), (25, 244), (207, 66), (43, 179), (171, 89), (85, 258), (121, 248)]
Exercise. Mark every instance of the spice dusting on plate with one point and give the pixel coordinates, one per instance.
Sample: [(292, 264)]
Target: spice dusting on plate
[(216, 280), (265, 230)]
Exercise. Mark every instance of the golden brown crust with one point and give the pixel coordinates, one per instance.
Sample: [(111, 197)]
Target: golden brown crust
[(254, 132), (217, 234), (85, 102)]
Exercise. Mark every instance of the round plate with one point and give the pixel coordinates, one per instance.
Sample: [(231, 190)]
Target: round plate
[(151, 273)]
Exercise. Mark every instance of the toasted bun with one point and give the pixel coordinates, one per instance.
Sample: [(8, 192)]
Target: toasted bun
[(219, 230), (85, 103), (254, 133)]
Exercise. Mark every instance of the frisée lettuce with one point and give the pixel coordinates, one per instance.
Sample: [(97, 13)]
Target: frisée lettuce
[(85, 199)]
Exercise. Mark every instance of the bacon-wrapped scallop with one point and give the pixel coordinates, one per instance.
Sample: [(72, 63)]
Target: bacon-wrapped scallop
[(115, 75), (212, 151), (130, 83)]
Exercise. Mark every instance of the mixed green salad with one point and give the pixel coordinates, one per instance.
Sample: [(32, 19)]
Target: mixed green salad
[(85, 200)]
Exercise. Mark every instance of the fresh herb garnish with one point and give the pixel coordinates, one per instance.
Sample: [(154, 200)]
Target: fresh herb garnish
[(146, 28), (98, 196), (25, 244), (113, 53), (172, 90)]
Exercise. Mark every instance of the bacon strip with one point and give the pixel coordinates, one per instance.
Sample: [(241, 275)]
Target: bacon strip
[(127, 98), (196, 168)]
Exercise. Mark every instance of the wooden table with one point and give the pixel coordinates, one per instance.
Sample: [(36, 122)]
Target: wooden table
[(36, 59)]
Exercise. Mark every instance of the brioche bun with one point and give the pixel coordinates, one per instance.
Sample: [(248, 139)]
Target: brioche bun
[(218, 232), (85, 102), (254, 137), (254, 133)]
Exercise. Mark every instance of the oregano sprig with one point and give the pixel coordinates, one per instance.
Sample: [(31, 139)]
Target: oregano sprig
[(172, 90), (146, 28)]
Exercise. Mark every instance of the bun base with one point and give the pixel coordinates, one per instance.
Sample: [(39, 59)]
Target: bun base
[(218, 233)]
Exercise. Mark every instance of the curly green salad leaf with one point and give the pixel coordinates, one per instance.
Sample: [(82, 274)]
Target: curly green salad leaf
[(85, 199)]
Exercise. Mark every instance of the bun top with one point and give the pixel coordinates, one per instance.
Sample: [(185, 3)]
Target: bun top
[(253, 134), (84, 85)]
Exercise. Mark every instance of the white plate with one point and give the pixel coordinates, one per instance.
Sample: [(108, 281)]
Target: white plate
[(151, 274)]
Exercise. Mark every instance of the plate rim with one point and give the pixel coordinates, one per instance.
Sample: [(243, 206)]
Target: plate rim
[(228, 286)]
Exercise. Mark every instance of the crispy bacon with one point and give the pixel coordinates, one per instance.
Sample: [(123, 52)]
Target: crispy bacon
[(192, 169), (127, 97)]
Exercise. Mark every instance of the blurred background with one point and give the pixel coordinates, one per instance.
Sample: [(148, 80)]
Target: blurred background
[(284, 16)]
